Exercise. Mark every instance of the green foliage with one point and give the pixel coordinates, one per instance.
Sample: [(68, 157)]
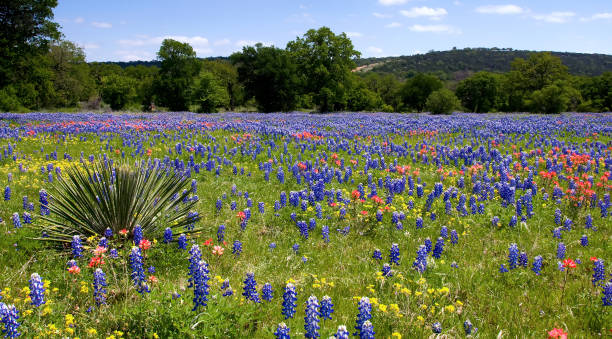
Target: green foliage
[(118, 90), (227, 76), (553, 99), (325, 61), (209, 95), (597, 92), (270, 75), (89, 199), (387, 86), (416, 90), (442, 101), (480, 93), (179, 66), (71, 79)]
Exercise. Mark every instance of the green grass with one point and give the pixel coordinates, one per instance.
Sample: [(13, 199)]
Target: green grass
[(515, 304)]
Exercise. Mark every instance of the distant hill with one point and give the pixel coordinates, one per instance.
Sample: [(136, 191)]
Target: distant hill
[(459, 63), (124, 64)]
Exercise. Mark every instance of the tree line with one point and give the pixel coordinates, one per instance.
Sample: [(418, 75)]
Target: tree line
[(41, 70)]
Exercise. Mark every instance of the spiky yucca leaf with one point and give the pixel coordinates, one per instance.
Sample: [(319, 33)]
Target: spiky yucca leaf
[(89, 199)]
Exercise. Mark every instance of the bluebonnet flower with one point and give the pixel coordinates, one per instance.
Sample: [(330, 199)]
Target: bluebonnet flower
[(567, 224), (436, 327), (138, 274), (113, 253), (219, 205), (99, 284), (557, 232), (325, 233), (137, 235), (7, 193), (272, 245), (419, 222), (44, 203), (513, 221), (182, 242), (200, 285), (295, 248), (282, 331), (428, 244), (303, 227), (377, 254), (367, 330), (103, 242), (584, 240), (9, 316), (37, 290), (108, 233), (444, 232), (557, 216), (513, 253), (195, 255), (394, 254), (311, 319), (167, 235), (261, 207), (267, 293), (439, 248), (233, 205), (250, 291), (386, 270), (27, 218), (342, 333), (588, 222), (454, 237), (599, 272), (229, 291), (495, 221), (26, 205), (420, 262), (502, 269), (467, 326), (304, 259), (16, 220), (365, 314), (237, 248), (327, 307), (523, 261), (561, 251), (289, 299), (77, 248), (560, 266), (225, 284), (607, 294)]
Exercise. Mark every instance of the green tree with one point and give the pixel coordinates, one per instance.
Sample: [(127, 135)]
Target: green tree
[(270, 75), (227, 76), (416, 90), (325, 61), (209, 93), (597, 92), (361, 98), (442, 101), (387, 86), (480, 93), (533, 74), (118, 90), (145, 77), (179, 66), (26, 31), (554, 98), (71, 79)]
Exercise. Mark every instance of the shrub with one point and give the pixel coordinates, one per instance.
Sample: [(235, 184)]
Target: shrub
[(442, 101)]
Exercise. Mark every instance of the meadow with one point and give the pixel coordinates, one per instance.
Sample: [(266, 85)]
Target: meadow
[(392, 225)]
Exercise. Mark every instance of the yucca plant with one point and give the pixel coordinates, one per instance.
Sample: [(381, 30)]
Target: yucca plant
[(88, 199)]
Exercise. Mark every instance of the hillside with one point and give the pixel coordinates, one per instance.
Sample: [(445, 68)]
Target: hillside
[(457, 63)]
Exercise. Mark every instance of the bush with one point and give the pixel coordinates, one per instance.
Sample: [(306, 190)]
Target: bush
[(117, 90), (86, 200), (442, 101)]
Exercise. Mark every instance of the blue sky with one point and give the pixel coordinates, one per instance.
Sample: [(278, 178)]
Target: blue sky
[(133, 29)]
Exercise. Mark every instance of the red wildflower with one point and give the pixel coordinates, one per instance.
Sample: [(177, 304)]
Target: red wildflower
[(95, 262), (557, 333), (123, 232), (241, 215), (74, 269), (569, 263), (144, 244), (208, 242), (355, 194)]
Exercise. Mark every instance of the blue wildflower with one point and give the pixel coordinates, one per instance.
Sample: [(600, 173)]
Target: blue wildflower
[(467, 326), (537, 264), (182, 242), (99, 284), (365, 314), (394, 254), (367, 330), (289, 299), (557, 232), (599, 272), (513, 253), (138, 274), (386, 270), (267, 293), (200, 285), (327, 307), (37, 290), (311, 319), (454, 237), (436, 327), (428, 244), (377, 254), (295, 248), (523, 260), (138, 236), (420, 262), (282, 331), (503, 269), (561, 251), (584, 240), (607, 294), (167, 235), (439, 248), (9, 316), (16, 220), (444, 232), (236, 248), (342, 333), (7, 193), (250, 291), (325, 233)]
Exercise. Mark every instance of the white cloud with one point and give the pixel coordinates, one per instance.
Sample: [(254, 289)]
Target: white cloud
[(500, 9), (99, 24), (433, 13), (374, 50), (354, 34), (242, 43), (381, 16), (79, 20), (434, 29), (598, 16), (133, 55), (555, 17), (393, 25), (392, 2), (222, 42)]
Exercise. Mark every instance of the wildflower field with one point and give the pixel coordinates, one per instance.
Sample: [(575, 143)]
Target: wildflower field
[(298, 225)]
